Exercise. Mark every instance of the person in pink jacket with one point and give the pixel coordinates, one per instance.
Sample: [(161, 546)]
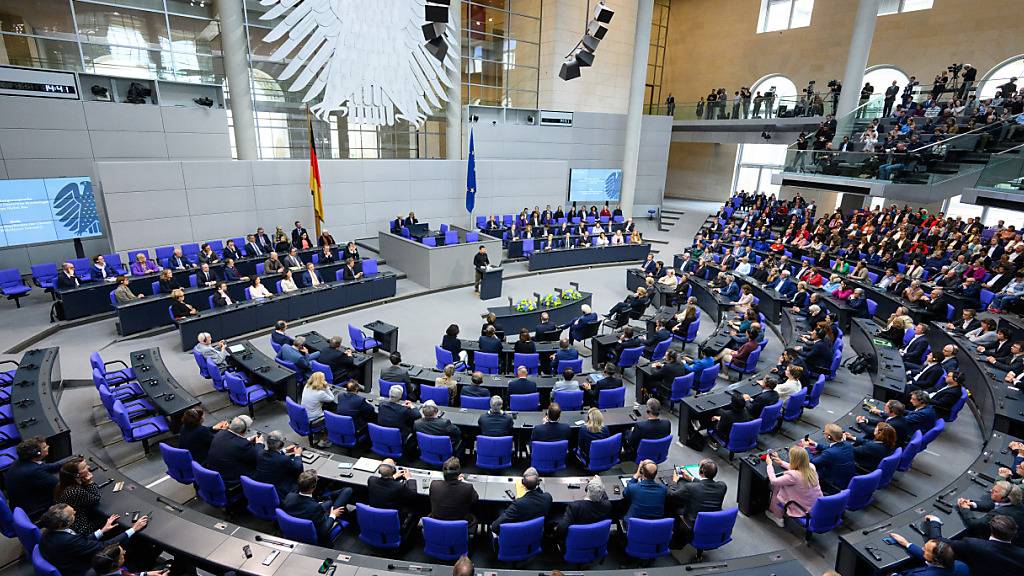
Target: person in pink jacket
[(976, 270), (843, 292), (799, 484)]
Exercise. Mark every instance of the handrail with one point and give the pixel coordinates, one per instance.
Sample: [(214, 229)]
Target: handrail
[(946, 141), (1017, 147)]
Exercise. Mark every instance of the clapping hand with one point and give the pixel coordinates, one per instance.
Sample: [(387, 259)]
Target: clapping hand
[(140, 523), (964, 503), (899, 539), (110, 523)]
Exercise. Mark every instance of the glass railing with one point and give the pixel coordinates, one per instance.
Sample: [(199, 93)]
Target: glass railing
[(903, 168), (782, 107), (1004, 171)]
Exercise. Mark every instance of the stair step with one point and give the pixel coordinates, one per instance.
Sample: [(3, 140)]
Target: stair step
[(672, 212)]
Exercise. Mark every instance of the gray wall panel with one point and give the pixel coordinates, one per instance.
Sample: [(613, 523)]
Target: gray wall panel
[(136, 176), (282, 196), (140, 206), (109, 117), (112, 144), (221, 200), (149, 233), (46, 168), (266, 172), (217, 174), (41, 113), (194, 120), (26, 143), (194, 146), (224, 225)]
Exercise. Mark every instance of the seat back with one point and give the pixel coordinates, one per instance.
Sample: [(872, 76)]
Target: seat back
[(357, 337), (575, 365), (548, 457), (261, 499), (472, 237), (604, 453), (341, 430), (520, 541), (486, 362), (611, 398), (569, 400), (384, 386), (297, 529), (691, 331), (681, 387), (210, 486), (494, 453), (385, 441), (27, 532), (654, 450), (713, 530), (179, 463), (910, 452), (45, 274), (827, 513), (237, 392), (215, 375), (6, 518), (298, 418), (795, 406), (120, 417), (443, 357), (708, 378), (439, 394), (888, 467), (379, 527), (429, 241), (630, 356), (872, 306), (323, 369), (475, 402), (41, 566), (530, 361), (955, 410), (451, 237), (770, 417), (434, 449), (814, 398), (861, 490), (660, 349), (743, 436), (524, 402), (445, 539), (369, 267), (587, 543), (933, 433), (647, 539), (985, 297)]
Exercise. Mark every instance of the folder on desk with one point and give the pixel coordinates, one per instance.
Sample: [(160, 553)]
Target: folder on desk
[(367, 465), (520, 489), (236, 349)]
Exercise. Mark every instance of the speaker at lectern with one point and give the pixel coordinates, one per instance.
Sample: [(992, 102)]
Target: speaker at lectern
[(490, 284)]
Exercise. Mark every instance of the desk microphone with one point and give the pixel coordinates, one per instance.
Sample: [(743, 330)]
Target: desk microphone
[(707, 566), (260, 538), (410, 568)]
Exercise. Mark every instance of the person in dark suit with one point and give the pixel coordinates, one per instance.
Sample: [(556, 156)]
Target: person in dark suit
[(735, 413), (232, 454), (579, 325), (621, 310), (231, 251), (397, 413), (1004, 500), (195, 437), (525, 344), (205, 276), (551, 430), (544, 326), (946, 393), (489, 342), (937, 555), (30, 482), (914, 350), (564, 353), (534, 503), (351, 271), (252, 248), (817, 356), (644, 495), (221, 298), (230, 272), (495, 422), (895, 415), (395, 373), (767, 397), (608, 381), (663, 373), (177, 261), (310, 277), (475, 388), (342, 362), (923, 415), (435, 425), (351, 404), (71, 553), (651, 428), (968, 321), (869, 452), (323, 514), (450, 342), (66, 279), (392, 489), (262, 240), (689, 496), (834, 463), (595, 507), (995, 556), (297, 233), (659, 335), (930, 374), (278, 336), (522, 384), (453, 498), (279, 466), (626, 340)]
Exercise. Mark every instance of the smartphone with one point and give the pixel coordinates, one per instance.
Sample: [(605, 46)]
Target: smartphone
[(807, 437), (247, 551), (119, 486), (327, 563), (888, 540)]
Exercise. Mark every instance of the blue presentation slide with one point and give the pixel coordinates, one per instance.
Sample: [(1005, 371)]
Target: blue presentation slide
[(45, 210), (594, 184)]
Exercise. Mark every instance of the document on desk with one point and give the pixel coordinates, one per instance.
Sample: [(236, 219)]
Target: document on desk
[(367, 465), (236, 348), (520, 489)]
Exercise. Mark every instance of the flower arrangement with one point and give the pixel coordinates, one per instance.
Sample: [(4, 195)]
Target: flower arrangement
[(526, 305), (551, 300), (571, 295)]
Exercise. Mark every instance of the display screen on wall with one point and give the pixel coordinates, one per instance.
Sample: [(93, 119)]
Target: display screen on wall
[(594, 184), (45, 210)]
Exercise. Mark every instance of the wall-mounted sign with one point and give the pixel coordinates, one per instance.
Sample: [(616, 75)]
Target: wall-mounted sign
[(553, 118), (38, 83)]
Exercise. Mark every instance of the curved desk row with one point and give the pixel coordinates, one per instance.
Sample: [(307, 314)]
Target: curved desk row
[(251, 315), (216, 546), (161, 388), (34, 399), (507, 355), (791, 327), (888, 374), (708, 300), (512, 320), (563, 258), (863, 553)]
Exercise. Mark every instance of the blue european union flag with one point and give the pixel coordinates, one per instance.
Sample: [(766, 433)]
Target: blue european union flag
[(471, 176)]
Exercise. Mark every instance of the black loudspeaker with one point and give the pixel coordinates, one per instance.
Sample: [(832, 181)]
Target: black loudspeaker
[(436, 13), (590, 43), (433, 30), (596, 30), (437, 47), (584, 58), (603, 13), (570, 69)]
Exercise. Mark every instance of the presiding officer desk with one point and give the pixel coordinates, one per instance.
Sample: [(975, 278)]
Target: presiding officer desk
[(247, 316), (161, 388), (216, 546), (512, 320), (568, 257), (34, 397)]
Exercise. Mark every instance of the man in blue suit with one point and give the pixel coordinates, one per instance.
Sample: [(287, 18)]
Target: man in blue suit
[(785, 286), (232, 454), (279, 466), (71, 553), (278, 336), (30, 481), (298, 354), (495, 422), (731, 290), (522, 384), (564, 353), (580, 323), (301, 504), (310, 277), (351, 404), (652, 428), (858, 303), (534, 503), (835, 464), (645, 495), (913, 352), (551, 430), (818, 356), (937, 555), (489, 341), (923, 415)]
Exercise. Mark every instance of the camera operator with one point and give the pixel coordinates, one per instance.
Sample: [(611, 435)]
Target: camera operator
[(769, 102), (745, 96), (865, 95), (835, 87), (939, 85), (969, 75)]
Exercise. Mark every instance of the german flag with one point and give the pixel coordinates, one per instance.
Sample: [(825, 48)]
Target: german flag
[(314, 176)]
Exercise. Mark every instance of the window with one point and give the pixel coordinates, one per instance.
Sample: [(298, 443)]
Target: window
[(784, 14), (1000, 75), (881, 77), (955, 208), (500, 42), (898, 6), (785, 92), (656, 56), (755, 165)]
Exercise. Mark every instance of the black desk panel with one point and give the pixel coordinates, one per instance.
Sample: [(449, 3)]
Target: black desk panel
[(94, 297), (161, 388), (512, 320), (770, 303), (888, 374), (590, 255), (264, 370), (316, 342), (695, 408), (709, 301), (34, 399)]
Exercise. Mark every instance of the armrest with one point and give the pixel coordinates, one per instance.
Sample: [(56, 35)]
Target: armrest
[(115, 363), (155, 428), (797, 504)]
